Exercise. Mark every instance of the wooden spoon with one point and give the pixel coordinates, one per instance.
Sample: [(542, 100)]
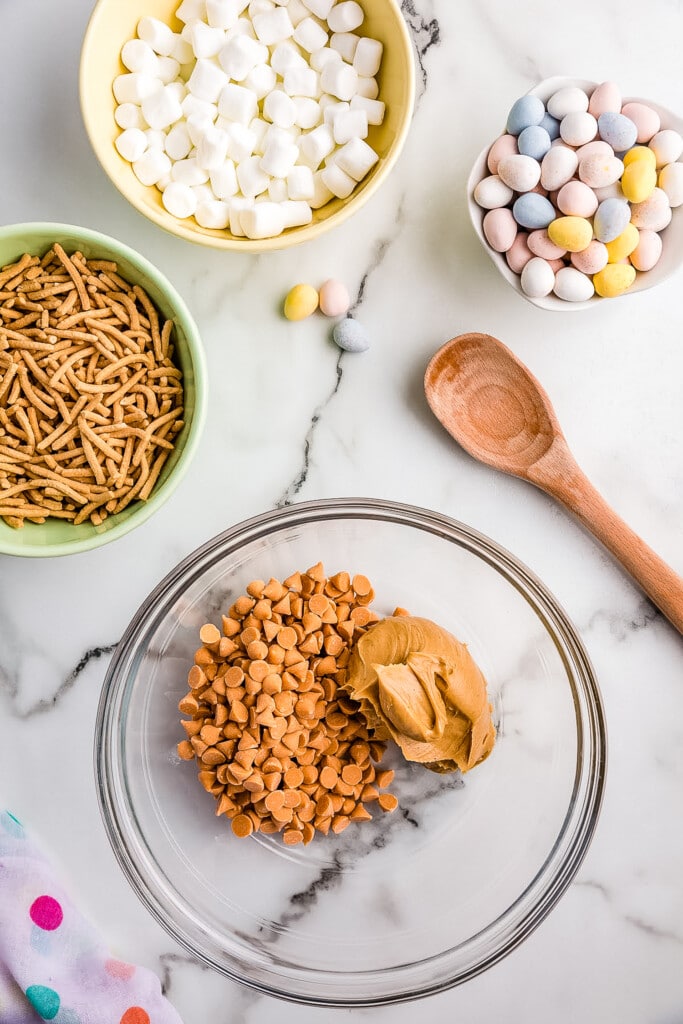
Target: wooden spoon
[(490, 403)]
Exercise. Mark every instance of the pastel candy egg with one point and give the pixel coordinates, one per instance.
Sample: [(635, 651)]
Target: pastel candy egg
[(671, 181), (654, 213), (667, 146), (591, 259), (597, 147), (505, 145), (301, 301), (623, 245), (551, 125), (519, 253), (617, 130), (612, 191), (647, 252), (537, 278), (351, 336), (520, 173), (569, 100), (334, 298), (639, 153), (533, 211), (571, 233), (605, 98), (525, 111), (534, 141), (611, 217), (572, 285), (597, 171), (614, 279), (558, 166), (638, 181), (578, 128), (491, 193), (645, 119), (577, 200), (541, 245), (500, 229)]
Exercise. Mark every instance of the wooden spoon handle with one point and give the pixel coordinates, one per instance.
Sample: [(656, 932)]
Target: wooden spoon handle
[(572, 487)]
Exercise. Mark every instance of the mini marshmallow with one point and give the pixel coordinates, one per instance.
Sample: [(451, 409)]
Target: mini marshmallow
[(308, 112), (297, 11), (212, 149), (368, 57), (367, 87), (297, 214), (279, 158), (178, 142), (129, 115), (337, 181), (321, 193), (285, 56), (203, 193), (240, 54), (374, 109), (356, 158), (346, 16), (167, 70), (224, 13), (241, 142), (300, 183), (277, 190), (152, 165), (191, 10), (224, 180), (179, 200), (161, 109), (261, 80), (316, 146), (177, 89), (206, 81), (350, 124), (323, 56), (182, 51), (263, 220), (251, 178), (131, 144), (188, 172), (279, 108), (273, 27), (135, 87), (157, 34), (281, 136), (260, 129), (197, 126), (237, 206), (193, 107), (163, 182), (340, 80), (260, 7), (321, 8), (331, 110), (309, 34), (237, 104), (345, 44), (206, 41), (242, 27), (155, 138), (137, 55), (213, 214), (303, 82)]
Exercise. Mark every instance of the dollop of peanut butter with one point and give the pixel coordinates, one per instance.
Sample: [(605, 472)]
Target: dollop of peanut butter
[(420, 686)]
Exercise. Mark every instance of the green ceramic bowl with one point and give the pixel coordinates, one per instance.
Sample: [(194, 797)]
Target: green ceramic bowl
[(55, 537)]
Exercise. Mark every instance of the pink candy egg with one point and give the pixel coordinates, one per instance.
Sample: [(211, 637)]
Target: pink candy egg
[(654, 213), (577, 200), (598, 171), (334, 298), (500, 229), (592, 259), (647, 252), (644, 118), (596, 147), (605, 99), (505, 145), (556, 265), (519, 253), (540, 245)]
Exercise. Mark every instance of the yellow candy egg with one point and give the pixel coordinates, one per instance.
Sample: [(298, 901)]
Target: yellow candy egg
[(614, 279), (301, 301), (638, 181), (623, 245), (639, 153), (571, 233)]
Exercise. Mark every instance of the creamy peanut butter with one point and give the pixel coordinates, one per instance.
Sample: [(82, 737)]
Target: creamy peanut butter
[(420, 686)]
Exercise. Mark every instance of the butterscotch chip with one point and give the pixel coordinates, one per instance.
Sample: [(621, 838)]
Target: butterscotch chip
[(185, 750), (339, 823), (385, 778), (263, 610), (257, 650), (294, 777), (328, 777), (351, 774), (242, 826), (275, 800), (209, 634), (282, 815), (360, 813), (234, 676), (292, 836), (286, 638), (388, 801)]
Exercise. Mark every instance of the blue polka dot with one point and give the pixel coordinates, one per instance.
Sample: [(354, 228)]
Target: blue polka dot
[(12, 825), (44, 1001)]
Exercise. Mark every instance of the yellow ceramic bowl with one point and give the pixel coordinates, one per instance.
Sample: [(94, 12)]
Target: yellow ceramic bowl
[(115, 21)]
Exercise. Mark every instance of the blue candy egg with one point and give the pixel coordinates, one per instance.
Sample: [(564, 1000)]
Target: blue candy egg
[(534, 141), (533, 211), (551, 125), (611, 218), (617, 131), (525, 111), (351, 336)]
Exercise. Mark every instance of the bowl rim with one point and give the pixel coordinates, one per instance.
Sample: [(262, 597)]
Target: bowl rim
[(159, 495), (542, 893), (546, 88), (292, 236)]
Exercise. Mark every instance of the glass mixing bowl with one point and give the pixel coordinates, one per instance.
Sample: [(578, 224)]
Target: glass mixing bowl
[(412, 902)]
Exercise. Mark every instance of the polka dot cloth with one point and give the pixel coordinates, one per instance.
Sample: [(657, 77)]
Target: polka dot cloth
[(52, 960)]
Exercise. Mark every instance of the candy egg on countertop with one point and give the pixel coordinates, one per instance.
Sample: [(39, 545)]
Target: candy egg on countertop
[(540, 244), (505, 145), (671, 181), (301, 302), (500, 229), (577, 199), (537, 278), (614, 279), (520, 173), (618, 131), (611, 217), (492, 193), (558, 166), (572, 285), (334, 298), (519, 253), (578, 128), (534, 141), (525, 111), (351, 336), (638, 181), (646, 254), (598, 171), (591, 259), (571, 233), (645, 119), (532, 211), (667, 146), (605, 98), (568, 100), (654, 213)]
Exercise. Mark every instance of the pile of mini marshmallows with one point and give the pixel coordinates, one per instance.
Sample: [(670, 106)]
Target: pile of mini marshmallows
[(255, 114), (579, 190)]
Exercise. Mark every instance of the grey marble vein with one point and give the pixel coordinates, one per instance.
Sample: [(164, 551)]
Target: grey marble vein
[(426, 34), (47, 703), (635, 920), (622, 627)]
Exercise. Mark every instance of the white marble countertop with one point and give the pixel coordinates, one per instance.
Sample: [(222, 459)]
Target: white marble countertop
[(358, 425)]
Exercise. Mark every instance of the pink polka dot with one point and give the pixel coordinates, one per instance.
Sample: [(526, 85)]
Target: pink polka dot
[(117, 969), (46, 913)]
